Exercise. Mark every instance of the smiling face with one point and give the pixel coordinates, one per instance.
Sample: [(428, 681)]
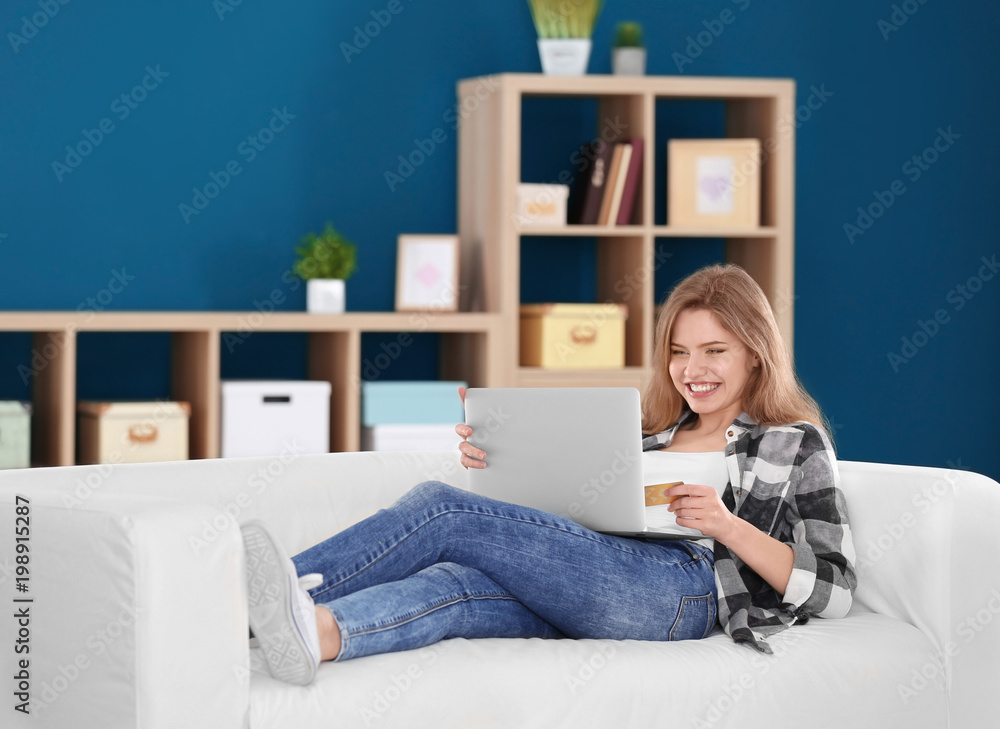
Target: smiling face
[(708, 364)]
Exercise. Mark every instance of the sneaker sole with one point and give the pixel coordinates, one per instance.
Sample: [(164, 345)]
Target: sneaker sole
[(284, 649)]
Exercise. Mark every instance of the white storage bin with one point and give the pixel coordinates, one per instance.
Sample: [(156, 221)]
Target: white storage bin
[(133, 432), (273, 417), (541, 204)]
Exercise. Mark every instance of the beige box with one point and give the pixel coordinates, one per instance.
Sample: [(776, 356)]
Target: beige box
[(540, 204), (573, 336), (15, 434), (132, 432), (713, 183)]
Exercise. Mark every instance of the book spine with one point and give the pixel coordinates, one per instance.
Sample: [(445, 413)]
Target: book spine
[(631, 191), (609, 186), (620, 175), (595, 190), (578, 193)]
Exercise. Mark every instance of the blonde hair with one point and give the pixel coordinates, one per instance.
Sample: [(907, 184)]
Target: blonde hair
[(773, 394)]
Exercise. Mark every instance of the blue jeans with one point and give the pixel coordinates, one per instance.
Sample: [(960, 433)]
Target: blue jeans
[(446, 563)]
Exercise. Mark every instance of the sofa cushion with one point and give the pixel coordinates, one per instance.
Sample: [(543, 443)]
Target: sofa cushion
[(839, 673)]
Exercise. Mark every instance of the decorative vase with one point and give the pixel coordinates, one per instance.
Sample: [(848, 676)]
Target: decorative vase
[(564, 56), (628, 61), (325, 296)]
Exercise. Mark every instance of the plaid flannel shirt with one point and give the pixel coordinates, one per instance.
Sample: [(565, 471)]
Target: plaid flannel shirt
[(783, 480)]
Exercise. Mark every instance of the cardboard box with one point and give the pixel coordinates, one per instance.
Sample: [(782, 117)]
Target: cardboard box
[(15, 434), (713, 183), (436, 437), (272, 417), (132, 432), (541, 204), (418, 403), (573, 336)]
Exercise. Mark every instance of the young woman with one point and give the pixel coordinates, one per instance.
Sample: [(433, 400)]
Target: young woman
[(725, 414)]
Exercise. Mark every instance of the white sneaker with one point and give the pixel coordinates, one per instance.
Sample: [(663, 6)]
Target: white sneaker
[(282, 614)]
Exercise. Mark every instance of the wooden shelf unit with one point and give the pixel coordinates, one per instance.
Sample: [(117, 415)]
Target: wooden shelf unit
[(490, 170), (469, 351), (480, 346)]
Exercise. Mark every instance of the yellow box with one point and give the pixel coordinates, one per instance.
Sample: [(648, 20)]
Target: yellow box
[(713, 183), (573, 336), (132, 432)]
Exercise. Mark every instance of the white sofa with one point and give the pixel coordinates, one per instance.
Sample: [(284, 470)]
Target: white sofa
[(139, 619)]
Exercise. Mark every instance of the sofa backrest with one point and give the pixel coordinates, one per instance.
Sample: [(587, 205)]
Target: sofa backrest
[(924, 536)]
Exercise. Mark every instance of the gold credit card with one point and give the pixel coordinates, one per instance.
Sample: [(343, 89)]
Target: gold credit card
[(657, 493)]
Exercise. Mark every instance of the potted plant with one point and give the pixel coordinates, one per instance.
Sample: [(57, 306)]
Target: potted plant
[(325, 262), (564, 30), (628, 58)]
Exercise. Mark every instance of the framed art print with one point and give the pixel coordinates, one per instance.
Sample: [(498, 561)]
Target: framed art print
[(713, 183), (427, 273)]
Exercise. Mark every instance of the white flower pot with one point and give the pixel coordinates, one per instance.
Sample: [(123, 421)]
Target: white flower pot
[(564, 56), (628, 61), (325, 296)]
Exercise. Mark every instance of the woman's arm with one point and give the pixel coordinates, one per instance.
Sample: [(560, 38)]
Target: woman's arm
[(701, 507)]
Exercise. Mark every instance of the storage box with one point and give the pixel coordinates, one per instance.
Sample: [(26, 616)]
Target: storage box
[(438, 437), (132, 432), (713, 183), (541, 204), (421, 403), (273, 417), (573, 336), (15, 434)]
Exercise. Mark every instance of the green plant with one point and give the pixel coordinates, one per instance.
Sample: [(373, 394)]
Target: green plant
[(329, 255), (565, 18), (628, 35)]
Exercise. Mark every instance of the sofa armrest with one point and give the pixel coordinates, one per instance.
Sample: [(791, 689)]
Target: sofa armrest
[(130, 625), (925, 539)]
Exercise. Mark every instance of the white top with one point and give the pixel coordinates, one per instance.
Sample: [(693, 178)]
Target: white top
[(668, 466)]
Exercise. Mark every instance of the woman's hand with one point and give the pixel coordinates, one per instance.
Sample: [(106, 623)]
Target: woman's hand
[(700, 507), (472, 457)]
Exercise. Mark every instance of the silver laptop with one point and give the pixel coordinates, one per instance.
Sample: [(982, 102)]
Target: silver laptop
[(571, 451)]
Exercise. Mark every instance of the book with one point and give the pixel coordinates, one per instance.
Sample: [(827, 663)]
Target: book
[(578, 191), (609, 185), (631, 191), (619, 187), (591, 205)]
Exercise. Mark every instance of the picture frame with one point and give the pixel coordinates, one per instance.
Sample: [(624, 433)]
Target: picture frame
[(713, 183), (427, 272)]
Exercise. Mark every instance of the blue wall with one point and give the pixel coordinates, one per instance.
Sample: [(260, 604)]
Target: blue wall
[(217, 80)]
